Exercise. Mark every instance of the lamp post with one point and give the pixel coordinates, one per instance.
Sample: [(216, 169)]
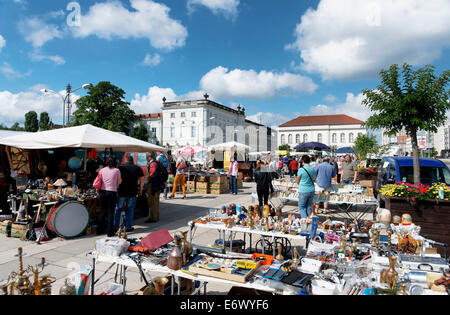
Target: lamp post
[(66, 99)]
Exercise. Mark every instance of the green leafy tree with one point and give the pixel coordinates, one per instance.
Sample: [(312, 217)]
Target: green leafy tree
[(104, 107), (44, 122), (285, 147), (365, 145), (140, 132), (410, 100), (16, 127), (31, 122)]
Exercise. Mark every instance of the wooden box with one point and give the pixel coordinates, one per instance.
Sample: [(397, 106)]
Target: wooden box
[(222, 275), (202, 186), (191, 186), (218, 180), (368, 183)]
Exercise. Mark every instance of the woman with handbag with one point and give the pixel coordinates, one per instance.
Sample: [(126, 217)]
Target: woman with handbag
[(306, 188), (106, 183), (179, 177)]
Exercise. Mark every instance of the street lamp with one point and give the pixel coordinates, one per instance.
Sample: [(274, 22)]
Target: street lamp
[(66, 99)]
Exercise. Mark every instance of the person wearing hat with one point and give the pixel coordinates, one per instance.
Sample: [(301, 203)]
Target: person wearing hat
[(324, 173)]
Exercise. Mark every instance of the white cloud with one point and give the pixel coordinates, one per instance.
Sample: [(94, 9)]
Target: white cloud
[(37, 56), (229, 8), (149, 19), (269, 119), (236, 84), (152, 60), (152, 101), (10, 73), (2, 43), (38, 32), (349, 39), (352, 107), (330, 98), (15, 106)]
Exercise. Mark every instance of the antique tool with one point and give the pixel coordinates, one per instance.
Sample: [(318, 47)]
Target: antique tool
[(67, 289)]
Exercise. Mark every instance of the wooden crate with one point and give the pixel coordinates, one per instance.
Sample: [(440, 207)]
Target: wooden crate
[(368, 183)]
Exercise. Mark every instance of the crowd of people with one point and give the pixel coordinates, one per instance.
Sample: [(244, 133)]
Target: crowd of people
[(119, 187), (314, 175)]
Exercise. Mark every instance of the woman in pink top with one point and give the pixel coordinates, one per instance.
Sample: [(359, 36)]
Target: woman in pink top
[(111, 179)]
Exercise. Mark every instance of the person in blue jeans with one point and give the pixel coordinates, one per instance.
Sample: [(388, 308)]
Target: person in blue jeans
[(129, 189), (306, 189), (234, 170)]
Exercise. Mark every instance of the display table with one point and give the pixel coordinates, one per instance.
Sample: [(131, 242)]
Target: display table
[(125, 262)]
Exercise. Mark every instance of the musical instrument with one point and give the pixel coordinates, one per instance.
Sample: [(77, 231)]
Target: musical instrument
[(68, 219)]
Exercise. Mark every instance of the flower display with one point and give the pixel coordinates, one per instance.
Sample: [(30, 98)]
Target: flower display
[(415, 193), (368, 171)]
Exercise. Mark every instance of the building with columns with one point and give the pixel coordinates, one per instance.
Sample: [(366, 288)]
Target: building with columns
[(204, 122), (332, 130)]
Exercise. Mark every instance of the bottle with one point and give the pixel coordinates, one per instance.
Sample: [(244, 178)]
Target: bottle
[(441, 193)]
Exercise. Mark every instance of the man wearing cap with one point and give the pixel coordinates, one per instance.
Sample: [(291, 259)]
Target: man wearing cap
[(324, 173)]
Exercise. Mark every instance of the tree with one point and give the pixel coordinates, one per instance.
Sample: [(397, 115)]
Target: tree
[(31, 122), (140, 132), (44, 122), (104, 107), (365, 145), (410, 101), (285, 147), (16, 127)]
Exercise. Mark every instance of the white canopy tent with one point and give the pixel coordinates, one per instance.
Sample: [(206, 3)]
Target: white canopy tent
[(229, 146), (86, 136)]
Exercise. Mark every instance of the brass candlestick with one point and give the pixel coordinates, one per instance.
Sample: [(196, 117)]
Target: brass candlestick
[(279, 256)]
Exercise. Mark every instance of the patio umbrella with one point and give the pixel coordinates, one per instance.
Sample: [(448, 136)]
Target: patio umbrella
[(345, 150), (313, 146), (191, 150)]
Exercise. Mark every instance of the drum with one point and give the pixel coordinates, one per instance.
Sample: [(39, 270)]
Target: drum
[(68, 219)]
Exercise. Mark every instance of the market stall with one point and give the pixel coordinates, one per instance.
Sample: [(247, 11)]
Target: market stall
[(65, 204), (386, 257)]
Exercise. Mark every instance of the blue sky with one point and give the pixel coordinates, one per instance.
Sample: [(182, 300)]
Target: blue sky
[(279, 59)]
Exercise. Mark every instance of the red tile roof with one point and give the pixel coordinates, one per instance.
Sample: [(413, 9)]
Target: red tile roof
[(158, 115), (322, 120)]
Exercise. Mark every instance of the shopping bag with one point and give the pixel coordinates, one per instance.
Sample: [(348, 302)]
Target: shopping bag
[(98, 181)]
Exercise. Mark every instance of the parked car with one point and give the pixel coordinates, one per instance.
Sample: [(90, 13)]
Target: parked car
[(399, 169)]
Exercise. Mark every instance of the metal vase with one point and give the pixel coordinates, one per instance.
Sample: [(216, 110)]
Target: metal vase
[(175, 259)]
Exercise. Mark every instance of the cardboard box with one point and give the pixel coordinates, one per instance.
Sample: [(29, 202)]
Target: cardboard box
[(202, 186), (368, 183), (5, 228), (19, 230), (218, 179), (219, 191), (202, 191), (191, 186)]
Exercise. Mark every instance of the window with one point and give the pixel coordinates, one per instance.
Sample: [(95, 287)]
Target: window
[(153, 130), (172, 132), (334, 138), (193, 132), (319, 137), (351, 138), (290, 139), (172, 115), (342, 137), (297, 139), (194, 114), (305, 138), (283, 139), (183, 115)]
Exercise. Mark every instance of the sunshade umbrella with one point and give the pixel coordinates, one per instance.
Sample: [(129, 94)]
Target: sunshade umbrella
[(345, 150), (313, 146)]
